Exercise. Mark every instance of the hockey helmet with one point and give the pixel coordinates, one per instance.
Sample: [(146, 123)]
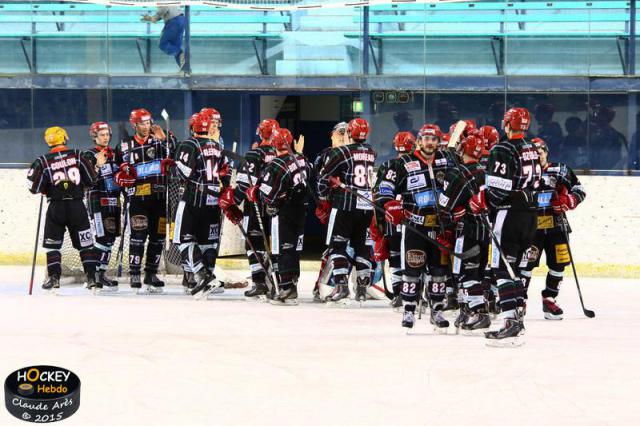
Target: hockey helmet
[(540, 144), (96, 127), (430, 130), (213, 114), (200, 123), (54, 136), (518, 119), (358, 129), (490, 135), (138, 116), (404, 141), (266, 128), (279, 140), (473, 145)]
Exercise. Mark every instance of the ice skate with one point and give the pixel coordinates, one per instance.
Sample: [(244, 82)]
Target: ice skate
[(188, 282), (214, 287), (203, 284), (462, 316), (154, 284), (339, 296), (476, 321), (508, 336), (316, 296), (551, 309), (439, 322), (451, 302), (288, 295), (52, 285), (408, 317), (107, 284), (361, 289), (91, 284), (259, 291), (136, 283)]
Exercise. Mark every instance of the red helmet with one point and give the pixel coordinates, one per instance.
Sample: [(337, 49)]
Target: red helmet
[(279, 140), (518, 119), (266, 128), (138, 116), (473, 145), (286, 134), (404, 141), (358, 129), (490, 134), (471, 125), (539, 144), (444, 142), (213, 114), (430, 130), (97, 126), (200, 123)]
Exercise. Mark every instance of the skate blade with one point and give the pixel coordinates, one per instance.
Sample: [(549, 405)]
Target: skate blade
[(287, 302), (342, 303), (112, 289), (507, 342), (476, 332), (154, 290), (52, 292), (440, 330), (552, 317)]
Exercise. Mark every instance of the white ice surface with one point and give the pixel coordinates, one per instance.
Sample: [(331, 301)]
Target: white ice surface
[(169, 360)]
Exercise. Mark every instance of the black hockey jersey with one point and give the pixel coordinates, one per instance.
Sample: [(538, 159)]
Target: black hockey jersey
[(198, 162), (554, 176), (410, 179), (146, 157), (285, 180), (61, 174), (353, 164), (105, 193), (386, 169), (513, 175), (251, 171)]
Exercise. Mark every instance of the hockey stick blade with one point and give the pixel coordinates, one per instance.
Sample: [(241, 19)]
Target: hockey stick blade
[(457, 131), (164, 114)]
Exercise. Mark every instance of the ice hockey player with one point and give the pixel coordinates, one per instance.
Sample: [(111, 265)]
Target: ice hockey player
[(412, 182), (249, 175), (103, 201), (204, 170), (386, 236), (512, 181), (349, 215), (560, 191), (61, 175), (338, 135), (460, 184), (145, 161), (283, 191)]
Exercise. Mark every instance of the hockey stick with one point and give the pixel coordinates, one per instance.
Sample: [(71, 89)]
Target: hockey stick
[(565, 225), (474, 251), (35, 249), (457, 132), (123, 134), (435, 198), (167, 221)]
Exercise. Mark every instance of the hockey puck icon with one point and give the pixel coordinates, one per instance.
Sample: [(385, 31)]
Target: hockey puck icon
[(42, 393)]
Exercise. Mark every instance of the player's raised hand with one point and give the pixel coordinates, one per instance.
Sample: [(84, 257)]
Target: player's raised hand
[(158, 133)]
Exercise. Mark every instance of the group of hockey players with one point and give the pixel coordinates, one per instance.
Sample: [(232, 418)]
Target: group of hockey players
[(462, 218)]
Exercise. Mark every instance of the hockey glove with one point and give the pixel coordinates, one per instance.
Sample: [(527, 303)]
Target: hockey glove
[(374, 231), (478, 202), (252, 193), (323, 210), (165, 165), (458, 213), (446, 240), (226, 198), (394, 213), (124, 180), (334, 182), (563, 201), (128, 169), (381, 250), (234, 214), (224, 170)]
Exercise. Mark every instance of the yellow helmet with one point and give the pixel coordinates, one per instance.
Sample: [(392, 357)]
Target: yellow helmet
[(55, 136)]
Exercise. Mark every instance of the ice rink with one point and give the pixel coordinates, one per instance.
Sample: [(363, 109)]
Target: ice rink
[(170, 360)]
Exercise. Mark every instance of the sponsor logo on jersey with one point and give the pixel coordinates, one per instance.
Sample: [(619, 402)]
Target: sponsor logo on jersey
[(110, 225), (500, 183), (300, 243), (416, 218), (86, 239), (148, 169), (151, 152), (265, 189), (412, 166), (108, 202), (384, 189), (142, 190), (211, 200), (415, 182), (562, 254), (139, 222), (443, 200), (424, 199), (544, 198), (533, 253), (361, 204), (441, 161), (415, 258), (269, 158), (186, 170), (545, 222), (214, 229), (440, 177)]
